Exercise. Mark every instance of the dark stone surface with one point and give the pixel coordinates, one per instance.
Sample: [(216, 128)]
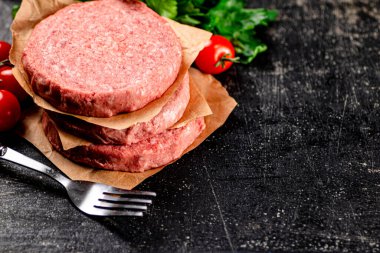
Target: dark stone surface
[(295, 168)]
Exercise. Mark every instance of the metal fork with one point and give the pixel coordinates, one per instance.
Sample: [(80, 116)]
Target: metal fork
[(91, 198)]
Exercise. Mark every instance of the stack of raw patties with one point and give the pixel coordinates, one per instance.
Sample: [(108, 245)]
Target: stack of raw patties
[(103, 59)]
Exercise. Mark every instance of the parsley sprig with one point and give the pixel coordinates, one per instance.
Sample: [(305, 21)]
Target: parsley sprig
[(228, 18)]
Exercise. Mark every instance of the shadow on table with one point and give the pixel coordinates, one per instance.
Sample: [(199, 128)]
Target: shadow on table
[(24, 175), (167, 224)]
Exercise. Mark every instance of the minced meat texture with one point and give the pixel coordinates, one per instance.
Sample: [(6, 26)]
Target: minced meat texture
[(166, 118), (102, 58), (153, 152)]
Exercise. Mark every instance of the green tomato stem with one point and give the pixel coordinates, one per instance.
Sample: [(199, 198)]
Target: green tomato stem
[(224, 58)]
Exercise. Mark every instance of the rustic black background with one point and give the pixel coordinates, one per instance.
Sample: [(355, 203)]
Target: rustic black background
[(295, 168)]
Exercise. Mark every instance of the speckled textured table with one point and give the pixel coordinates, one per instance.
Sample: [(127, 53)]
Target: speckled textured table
[(296, 168)]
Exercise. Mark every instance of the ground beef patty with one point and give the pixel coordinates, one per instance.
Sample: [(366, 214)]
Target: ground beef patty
[(167, 117), (101, 58), (150, 153)]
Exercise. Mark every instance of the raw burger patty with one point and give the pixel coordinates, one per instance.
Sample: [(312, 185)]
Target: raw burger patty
[(167, 117), (150, 153), (102, 58)]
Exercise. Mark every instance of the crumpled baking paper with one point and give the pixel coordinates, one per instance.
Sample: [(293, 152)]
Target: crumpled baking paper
[(33, 11), (221, 104)]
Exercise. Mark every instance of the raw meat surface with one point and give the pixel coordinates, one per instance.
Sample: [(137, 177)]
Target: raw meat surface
[(147, 154), (102, 58), (167, 117)]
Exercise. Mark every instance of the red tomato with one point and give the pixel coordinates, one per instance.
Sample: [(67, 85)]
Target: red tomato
[(9, 110), (8, 82), (5, 47), (217, 56)]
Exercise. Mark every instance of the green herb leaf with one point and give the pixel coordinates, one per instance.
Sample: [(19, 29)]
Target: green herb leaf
[(189, 6), (189, 12), (230, 19), (166, 8), (15, 9), (188, 20), (247, 46)]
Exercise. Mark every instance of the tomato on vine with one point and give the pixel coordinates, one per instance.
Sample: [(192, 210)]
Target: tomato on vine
[(5, 47), (217, 56), (8, 82), (9, 110)]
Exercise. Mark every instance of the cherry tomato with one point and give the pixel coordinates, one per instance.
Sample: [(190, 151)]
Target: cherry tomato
[(5, 47), (8, 82), (217, 56), (9, 110)]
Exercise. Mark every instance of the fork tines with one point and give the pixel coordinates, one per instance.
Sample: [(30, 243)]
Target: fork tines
[(120, 202)]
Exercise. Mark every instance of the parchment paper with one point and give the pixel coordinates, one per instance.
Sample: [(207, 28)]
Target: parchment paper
[(32, 12), (216, 95), (197, 107)]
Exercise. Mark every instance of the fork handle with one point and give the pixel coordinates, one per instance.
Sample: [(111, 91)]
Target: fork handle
[(16, 157)]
